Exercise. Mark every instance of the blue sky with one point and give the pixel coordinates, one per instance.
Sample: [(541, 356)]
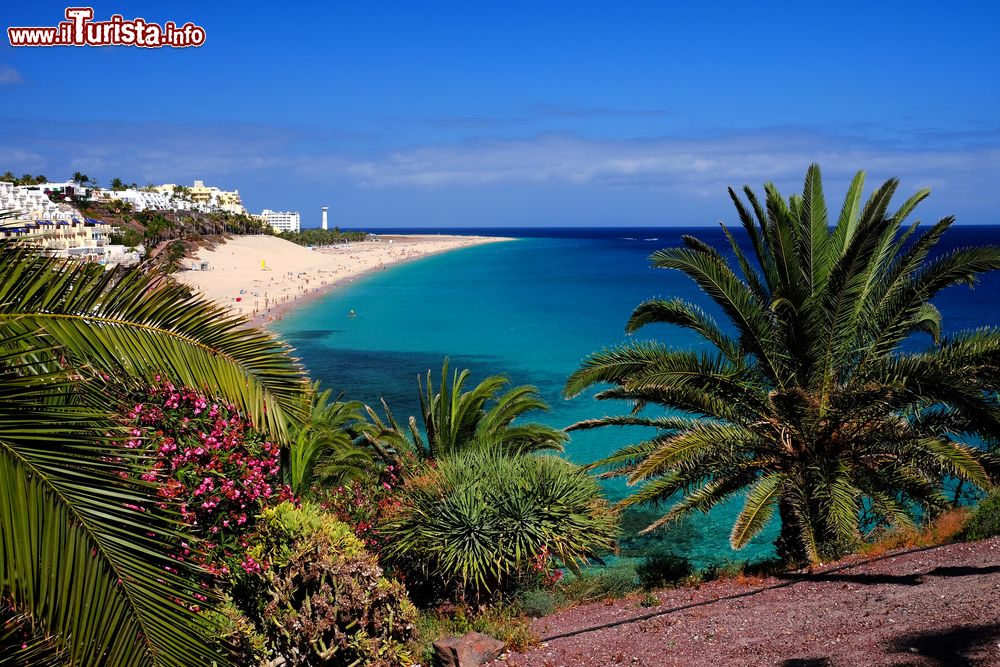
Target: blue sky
[(520, 114)]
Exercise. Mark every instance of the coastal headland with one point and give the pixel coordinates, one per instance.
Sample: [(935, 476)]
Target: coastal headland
[(263, 276)]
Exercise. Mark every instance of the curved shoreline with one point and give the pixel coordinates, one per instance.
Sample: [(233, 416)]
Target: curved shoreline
[(264, 277)]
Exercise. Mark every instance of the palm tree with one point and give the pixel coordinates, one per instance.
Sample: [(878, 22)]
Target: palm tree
[(329, 447), (456, 420), (76, 557), (806, 401)]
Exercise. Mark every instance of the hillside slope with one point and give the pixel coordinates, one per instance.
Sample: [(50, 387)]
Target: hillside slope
[(926, 608)]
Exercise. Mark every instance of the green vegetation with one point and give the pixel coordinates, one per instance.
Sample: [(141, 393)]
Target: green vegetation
[(475, 523), (322, 237), (156, 227), (177, 492), (609, 583), (985, 519), (663, 569), (504, 622), (456, 421), (172, 256), (806, 401), (538, 602), (327, 449), (24, 179), (126, 237), (89, 568), (81, 179), (323, 599)]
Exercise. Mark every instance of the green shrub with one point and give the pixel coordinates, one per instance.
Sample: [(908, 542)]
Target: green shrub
[(237, 634), (477, 522), (660, 570), (985, 519), (318, 597), (724, 570), (538, 602), (607, 584)]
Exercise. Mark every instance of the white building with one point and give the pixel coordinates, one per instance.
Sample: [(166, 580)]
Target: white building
[(59, 235), (67, 190), (282, 221), (206, 198), (86, 239), (29, 202), (142, 200)]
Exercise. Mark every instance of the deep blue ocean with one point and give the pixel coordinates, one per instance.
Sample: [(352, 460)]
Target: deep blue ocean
[(533, 308)]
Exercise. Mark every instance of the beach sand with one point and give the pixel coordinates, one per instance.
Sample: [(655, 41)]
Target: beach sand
[(263, 276)]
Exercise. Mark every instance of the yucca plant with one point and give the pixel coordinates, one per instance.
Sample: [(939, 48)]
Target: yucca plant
[(804, 400), (456, 420), (75, 554), (477, 519)]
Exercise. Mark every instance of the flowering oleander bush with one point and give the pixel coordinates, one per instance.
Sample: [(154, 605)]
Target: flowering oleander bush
[(209, 460), (364, 504), (297, 582)]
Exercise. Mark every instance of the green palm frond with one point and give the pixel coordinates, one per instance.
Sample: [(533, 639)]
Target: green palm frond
[(703, 498), (137, 326), (456, 419), (74, 553), (757, 510), (674, 451), (662, 423), (850, 213), (735, 298), (328, 448), (811, 384), (622, 462), (815, 236), (687, 315), (843, 503), (644, 368)]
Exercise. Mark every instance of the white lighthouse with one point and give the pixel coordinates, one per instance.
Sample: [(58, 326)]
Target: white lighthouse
[(324, 217)]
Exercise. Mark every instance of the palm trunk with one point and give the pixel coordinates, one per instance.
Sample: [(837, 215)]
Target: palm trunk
[(789, 544)]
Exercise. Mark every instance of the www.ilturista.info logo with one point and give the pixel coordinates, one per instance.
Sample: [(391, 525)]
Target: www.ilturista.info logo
[(79, 29)]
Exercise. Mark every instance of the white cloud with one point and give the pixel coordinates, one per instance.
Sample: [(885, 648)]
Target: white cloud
[(9, 75), (693, 167), (698, 166)]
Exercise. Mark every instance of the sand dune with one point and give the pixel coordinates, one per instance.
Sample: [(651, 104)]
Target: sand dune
[(262, 276)]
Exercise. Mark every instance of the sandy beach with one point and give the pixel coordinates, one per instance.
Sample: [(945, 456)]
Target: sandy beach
[(263, 276)]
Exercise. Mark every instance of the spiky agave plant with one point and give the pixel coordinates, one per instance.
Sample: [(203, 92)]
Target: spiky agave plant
[(804, 400), (76, 556)]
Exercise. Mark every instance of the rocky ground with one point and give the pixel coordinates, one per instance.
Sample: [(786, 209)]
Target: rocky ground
[(935, 607)]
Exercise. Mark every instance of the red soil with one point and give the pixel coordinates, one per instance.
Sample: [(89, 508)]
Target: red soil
[(926, 608)]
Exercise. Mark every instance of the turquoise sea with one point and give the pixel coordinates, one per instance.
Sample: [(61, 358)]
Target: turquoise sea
[(533, 308)]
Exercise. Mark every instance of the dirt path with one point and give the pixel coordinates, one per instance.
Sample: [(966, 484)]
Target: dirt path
[(930, 608)]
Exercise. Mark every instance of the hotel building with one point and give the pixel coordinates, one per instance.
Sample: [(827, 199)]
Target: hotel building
[(282, 221)]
